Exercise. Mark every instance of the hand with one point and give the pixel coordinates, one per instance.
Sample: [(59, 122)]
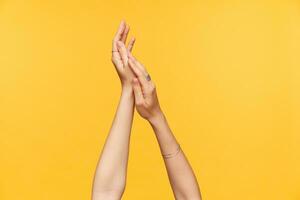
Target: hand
[(146, 100), (120, 54)]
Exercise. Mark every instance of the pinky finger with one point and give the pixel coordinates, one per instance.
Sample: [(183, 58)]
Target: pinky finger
[(131, 44)]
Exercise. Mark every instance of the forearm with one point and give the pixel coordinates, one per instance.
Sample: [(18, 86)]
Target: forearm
[(112, 167), (181, 176)]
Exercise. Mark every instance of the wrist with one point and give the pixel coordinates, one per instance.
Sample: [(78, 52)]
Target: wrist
[(157, 118), (127, 88), (126, 83), (127, 91)]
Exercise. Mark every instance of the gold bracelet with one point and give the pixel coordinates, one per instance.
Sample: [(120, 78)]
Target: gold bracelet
[(171, 155)]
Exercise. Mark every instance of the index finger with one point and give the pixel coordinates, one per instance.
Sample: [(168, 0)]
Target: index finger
[(118, 35)]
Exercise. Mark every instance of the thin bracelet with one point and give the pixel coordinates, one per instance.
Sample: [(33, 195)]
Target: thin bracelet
[(171, 155)]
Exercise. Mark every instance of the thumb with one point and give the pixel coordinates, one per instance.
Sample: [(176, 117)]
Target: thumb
[(137, 90)]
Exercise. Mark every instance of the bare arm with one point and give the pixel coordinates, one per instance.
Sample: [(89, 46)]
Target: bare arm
[(182, 179), (110, 177), (181, 176)]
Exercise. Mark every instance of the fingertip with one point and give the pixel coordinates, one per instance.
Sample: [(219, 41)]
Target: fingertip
[(122, 25), (127, 27), (132, 41)]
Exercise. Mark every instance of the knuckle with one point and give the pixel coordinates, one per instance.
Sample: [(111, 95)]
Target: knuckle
[(153, 85), (152, 88)]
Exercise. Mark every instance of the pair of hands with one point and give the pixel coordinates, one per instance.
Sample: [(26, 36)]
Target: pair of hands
[(133, 75)]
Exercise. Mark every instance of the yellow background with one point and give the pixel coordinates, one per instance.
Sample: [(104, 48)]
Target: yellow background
[(228, 79)]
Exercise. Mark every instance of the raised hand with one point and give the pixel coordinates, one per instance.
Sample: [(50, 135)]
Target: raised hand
[(120, 54), (146, 100), (137, 86), (110, 177), (181, 176)]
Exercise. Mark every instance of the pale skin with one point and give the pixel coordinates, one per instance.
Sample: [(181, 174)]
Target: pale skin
[(139, 91)]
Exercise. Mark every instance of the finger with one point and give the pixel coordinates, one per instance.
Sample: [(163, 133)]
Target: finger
[(123, 52), (138, 64), (118, 35), (139, 74), (137, 90), (131, 44), (125, 34)]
